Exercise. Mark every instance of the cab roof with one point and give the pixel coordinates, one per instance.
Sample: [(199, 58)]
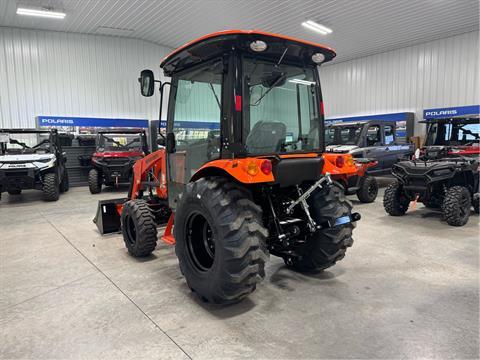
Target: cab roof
[(215, 44)]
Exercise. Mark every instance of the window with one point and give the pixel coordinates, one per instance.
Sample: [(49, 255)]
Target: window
[(389, 132), (373, 136), (280, 108), (198, 106)]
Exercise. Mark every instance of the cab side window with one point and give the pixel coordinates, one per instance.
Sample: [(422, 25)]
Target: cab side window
[(373, 136), (389, 133)]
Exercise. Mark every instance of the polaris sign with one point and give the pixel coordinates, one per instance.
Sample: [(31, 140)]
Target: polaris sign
[(50, 121), (443, 113)]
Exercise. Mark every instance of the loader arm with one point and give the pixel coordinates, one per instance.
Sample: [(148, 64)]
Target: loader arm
[(156, 162)]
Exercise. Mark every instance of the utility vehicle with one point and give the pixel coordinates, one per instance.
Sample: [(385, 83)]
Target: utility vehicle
[(116, 152), (368, 139), (32, 159), (242, 170), (444, 175)]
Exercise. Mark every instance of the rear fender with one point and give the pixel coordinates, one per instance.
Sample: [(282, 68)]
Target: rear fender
[(236, 169)]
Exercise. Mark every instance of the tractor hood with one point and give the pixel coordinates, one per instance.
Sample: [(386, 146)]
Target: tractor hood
[(341, 148)]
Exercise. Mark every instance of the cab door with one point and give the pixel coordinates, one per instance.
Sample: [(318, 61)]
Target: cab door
[(193, 129)]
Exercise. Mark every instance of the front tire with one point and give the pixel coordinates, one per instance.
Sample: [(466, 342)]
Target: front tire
[(220, 240), (51, 189), (139, 228), (395, 202), (94, 181), (368, 190), (457, 205), (328, 245)]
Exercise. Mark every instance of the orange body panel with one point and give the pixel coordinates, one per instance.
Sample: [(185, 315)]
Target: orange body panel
[(237, 168), (157, 162), (330, 166)]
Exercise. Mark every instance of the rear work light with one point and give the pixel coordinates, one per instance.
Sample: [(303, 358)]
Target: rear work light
[(339, 161), (266, 167)]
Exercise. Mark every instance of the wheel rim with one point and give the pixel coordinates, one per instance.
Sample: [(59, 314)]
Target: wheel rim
[(200, 241), (464, 205), (131, 230), (372, 190)]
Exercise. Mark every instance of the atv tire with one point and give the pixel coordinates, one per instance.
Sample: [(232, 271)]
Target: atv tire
[(368, 189), (51, 188), (476, 204), (65, 185), (457, 205), (14, 191), (326, 246), (220, 240), (395, 202), (94, 181), (139, 228)]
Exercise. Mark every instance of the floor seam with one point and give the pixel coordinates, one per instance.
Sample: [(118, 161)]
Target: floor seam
[(116, 286)]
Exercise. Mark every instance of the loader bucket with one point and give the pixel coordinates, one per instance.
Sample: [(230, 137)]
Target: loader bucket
[(108, 217)]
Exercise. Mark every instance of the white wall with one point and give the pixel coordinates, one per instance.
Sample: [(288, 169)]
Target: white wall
[(54, 73), (440, 73)]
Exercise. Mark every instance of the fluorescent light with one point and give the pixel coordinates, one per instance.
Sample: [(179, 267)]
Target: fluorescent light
[(41, 13), (312, 25), (300, 81)]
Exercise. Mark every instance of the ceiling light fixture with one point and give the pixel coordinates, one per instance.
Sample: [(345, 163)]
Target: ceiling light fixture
[(312, 25), (46, 13)]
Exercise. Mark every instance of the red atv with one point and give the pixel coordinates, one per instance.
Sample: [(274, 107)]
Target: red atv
[(114, 157)]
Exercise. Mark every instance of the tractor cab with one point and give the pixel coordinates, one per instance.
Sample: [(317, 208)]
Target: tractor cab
[(245, 95)]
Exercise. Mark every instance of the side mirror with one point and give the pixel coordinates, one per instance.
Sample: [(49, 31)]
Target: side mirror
[(170, 145), (147, 82)]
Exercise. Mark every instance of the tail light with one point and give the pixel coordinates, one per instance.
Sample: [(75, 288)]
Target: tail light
[(266, 167), (252, 168), (340, 161)]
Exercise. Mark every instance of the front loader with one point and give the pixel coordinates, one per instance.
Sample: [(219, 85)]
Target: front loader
[(242, 174)]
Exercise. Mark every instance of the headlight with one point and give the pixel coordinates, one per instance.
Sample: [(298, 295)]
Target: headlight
[(45, 163)]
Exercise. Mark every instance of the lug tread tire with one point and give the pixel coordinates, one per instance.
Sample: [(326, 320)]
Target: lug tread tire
[(240, 243), (94, 181), (393, 202), (51, 188), (451, 206), (476, 205), (145, 225), (329, 245), (363, 194)]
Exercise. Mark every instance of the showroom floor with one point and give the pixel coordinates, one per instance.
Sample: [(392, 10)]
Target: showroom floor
[(407, 288)]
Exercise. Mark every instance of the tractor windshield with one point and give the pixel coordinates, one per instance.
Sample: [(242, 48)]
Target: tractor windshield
[(454, 133), (280, 108), (343, 135)]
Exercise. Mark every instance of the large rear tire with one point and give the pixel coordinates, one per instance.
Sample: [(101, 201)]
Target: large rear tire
[(94, 181), (456, 206), (51, 188), (220, 240), (326, 246), (395, 202), (139, 228), (368, 189)]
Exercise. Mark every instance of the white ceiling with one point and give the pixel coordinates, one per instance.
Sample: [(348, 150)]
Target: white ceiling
[(360, 28)]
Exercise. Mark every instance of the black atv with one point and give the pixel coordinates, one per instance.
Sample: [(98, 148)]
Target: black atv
[(444, 175), (32, 159), (117, 151)]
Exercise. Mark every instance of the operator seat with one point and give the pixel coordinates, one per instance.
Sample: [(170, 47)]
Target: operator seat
[(266, 137)]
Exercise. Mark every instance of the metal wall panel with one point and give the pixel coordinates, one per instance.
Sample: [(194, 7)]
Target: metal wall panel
[(54, 73), (440, 73)]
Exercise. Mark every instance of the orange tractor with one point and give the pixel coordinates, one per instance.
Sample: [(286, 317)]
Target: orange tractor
[(242, 174)]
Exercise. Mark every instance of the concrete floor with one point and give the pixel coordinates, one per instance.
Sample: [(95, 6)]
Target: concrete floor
[(408, 288)]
